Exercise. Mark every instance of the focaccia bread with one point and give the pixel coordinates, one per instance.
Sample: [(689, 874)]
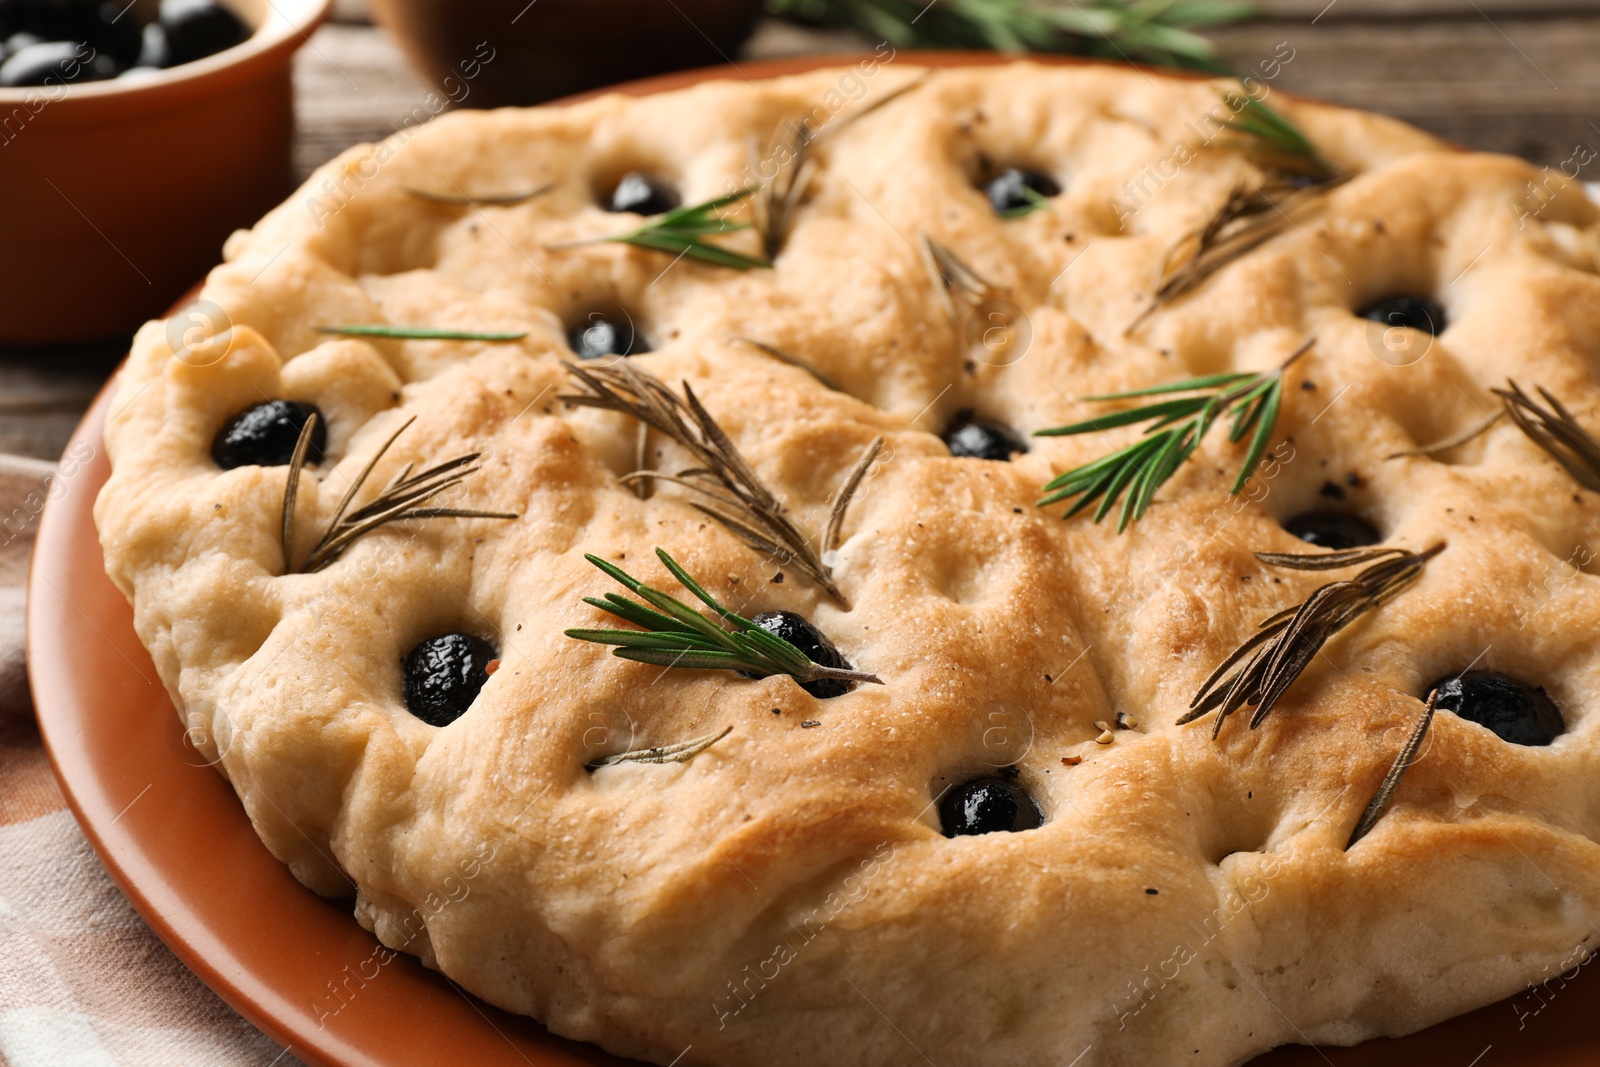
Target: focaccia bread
[(788, 895)]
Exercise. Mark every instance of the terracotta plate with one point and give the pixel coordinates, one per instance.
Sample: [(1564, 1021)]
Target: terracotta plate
[(174, 838)]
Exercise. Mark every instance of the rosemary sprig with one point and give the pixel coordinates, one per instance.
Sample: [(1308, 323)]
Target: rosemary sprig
[(417, 333), (1134, 472), (1275, 140), (721, 475), (683, 231), (1287, 642), (673, 634), (1555, 430), (401, 499), (1391, 781), (682, 752), (1247, 220), (1149, 31), (459, 200)]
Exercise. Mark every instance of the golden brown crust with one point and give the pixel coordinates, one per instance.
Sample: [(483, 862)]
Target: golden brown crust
[(787, 896)]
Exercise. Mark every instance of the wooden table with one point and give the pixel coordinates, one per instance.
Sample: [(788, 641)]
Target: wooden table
[(1517, 76)]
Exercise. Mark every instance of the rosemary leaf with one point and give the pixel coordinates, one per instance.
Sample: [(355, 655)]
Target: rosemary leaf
[(1276, 140), (673, 634), (721, 473), (458, 200), (683, 231), (1455, 440), (778, 199), (1286, 643), (953, 277), (1391, 781), (417, 333), (291, 487), (1034, 201), (847, 490), (793, 360), (1176, 428), (1327, 561), (682, 752)]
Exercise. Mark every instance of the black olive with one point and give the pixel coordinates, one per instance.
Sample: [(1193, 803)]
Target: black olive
[(112, 33), (55, 63), (16, 42), (641, 195), (598, 336), (265, 435), (972, 438), (794, 629), (1333, 529), (199, 28), (153, 49), (444, 675), (1413, 312), (987, 806), (1009, 191), (1516, 711)]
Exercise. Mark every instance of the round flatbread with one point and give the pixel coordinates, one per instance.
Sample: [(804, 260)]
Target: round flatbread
[(788, 895)]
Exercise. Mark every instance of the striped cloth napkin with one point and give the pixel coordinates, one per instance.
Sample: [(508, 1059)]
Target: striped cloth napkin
[(83, 981)]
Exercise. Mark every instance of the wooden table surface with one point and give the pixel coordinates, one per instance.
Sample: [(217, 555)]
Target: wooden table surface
[(1517, 76)]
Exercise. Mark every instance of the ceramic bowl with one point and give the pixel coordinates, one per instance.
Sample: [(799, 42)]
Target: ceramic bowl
[(116, 195)]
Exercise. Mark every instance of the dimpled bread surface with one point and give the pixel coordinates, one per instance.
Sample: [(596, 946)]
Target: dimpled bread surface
[(787, 896)]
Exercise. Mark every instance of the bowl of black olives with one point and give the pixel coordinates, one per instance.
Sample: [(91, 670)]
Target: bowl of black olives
[(134, 137)]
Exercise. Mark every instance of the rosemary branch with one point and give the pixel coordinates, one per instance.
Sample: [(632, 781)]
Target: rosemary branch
[(737, 497), (673, 634), (1391, 781), (683, 231), (1134, 472), (1286, 643), (1248, 219), (401, 499), (1148, 31)]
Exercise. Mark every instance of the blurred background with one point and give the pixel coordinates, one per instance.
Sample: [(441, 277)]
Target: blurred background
[(1514, 76)]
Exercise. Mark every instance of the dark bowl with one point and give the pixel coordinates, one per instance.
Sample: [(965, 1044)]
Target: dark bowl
[(517, 52)]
